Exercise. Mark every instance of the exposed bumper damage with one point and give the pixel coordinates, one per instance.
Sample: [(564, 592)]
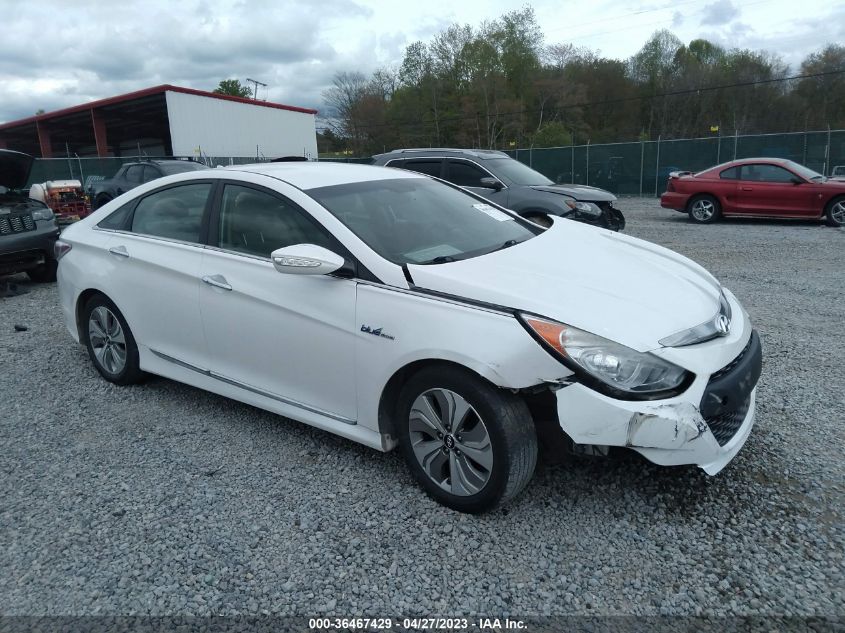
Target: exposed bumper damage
[(669, 432)]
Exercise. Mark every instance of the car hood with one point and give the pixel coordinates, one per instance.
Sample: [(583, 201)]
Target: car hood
[(14, 169), (579, 192), (624, 289)]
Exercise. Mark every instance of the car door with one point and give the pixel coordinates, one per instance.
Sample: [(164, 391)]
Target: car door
[(286, 336), (767, 189), (152, 268), (466, 173)]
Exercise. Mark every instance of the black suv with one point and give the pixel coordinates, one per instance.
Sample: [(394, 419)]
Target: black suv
[(131, 175), (28, 228), (511, 184)]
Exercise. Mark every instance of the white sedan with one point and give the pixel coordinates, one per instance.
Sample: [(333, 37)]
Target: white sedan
[(394, 309)]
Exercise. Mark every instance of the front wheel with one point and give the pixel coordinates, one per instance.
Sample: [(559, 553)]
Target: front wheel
[(835, 213), (102, 200), (704, 209), (469, 444)]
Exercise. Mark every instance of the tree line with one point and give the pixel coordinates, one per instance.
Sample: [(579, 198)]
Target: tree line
[(498, 85)]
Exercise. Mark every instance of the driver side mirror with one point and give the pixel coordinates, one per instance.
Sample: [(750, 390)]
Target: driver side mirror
[(306, 259), (796, 180), (492, 183)]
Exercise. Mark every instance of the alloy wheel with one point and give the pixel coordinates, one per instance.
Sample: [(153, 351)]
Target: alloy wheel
[(450, 442), (837, 213), (703, 210), (107, 339)]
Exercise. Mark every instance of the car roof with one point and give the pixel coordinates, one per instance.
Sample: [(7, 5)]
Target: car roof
[(483, 154), (310, 175)]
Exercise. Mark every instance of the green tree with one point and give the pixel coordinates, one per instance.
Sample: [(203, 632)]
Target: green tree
[(233, 88)]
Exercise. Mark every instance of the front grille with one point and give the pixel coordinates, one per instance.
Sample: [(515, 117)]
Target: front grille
[(727, 368), (725, 426), (16, 224)]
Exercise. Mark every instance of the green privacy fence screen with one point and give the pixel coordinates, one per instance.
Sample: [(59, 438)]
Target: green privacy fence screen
[(638, 168), (642, 168)]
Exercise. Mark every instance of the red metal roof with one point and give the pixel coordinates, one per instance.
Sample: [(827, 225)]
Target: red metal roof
[(146, 92)]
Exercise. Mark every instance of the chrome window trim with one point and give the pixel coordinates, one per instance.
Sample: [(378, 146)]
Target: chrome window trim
[(157, 238), (256, 390)]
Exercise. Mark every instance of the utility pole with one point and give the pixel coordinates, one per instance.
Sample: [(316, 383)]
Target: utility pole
[(255, 83)]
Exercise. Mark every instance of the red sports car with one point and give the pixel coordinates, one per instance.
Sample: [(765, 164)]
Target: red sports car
[(756, 188)]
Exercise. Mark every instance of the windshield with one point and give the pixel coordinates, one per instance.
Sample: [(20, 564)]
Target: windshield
[(421, 221), (177, 168), (518, 173), (804, 172)]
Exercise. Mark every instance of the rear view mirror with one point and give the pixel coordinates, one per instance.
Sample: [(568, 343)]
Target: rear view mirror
[(306, 259), (492, 183)]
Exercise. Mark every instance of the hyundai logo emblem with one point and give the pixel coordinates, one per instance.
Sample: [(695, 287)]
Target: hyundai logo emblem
[(723, 325)]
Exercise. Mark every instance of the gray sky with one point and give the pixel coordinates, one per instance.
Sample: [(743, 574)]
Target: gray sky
[(59, 53)]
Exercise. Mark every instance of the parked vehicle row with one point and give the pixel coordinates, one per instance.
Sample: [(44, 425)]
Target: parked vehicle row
[(394, 309), (130, 175), (756, 188), (509, 183)]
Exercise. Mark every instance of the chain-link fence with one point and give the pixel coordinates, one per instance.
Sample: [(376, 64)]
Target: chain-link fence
[(642, 168), (639, 168)]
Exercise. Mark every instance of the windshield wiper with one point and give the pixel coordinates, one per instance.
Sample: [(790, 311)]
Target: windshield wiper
[(440, 259), (507, 244)]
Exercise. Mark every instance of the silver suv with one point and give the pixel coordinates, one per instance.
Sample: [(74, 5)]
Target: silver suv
[(511, 184)]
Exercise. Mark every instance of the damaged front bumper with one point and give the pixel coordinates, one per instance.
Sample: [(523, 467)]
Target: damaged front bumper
[(706, 426)]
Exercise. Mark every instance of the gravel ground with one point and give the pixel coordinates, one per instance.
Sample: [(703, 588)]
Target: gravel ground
[(162, 499)]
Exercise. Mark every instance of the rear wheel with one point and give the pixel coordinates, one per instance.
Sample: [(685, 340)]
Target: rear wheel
[(469, 444), (704, 209), (835, 213), (110, 343)]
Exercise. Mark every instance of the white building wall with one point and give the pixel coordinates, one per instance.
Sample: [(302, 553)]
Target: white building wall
[(229, 128)]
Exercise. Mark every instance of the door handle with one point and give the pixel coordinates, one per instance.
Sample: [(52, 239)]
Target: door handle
[(120, 251), (748, 188), (218, 281)]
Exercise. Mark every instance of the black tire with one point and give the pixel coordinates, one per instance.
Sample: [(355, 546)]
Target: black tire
[(833, 213), (101, 200), (506, 420), (45, 273), (130, 373), (700, 218)]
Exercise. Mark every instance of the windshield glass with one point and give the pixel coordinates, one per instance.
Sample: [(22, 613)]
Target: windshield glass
[(177, 168), (421, 221), (518, 173), (804, 172)]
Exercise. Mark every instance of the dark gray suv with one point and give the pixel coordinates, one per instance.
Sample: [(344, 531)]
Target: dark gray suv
[(28, 228), (511, 184)]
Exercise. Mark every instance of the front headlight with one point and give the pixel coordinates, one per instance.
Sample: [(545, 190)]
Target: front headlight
[(43, 214), (587, 208), (619, 367)]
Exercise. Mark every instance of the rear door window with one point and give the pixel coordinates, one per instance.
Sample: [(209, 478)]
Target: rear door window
[(174, 213), (429, 167)]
